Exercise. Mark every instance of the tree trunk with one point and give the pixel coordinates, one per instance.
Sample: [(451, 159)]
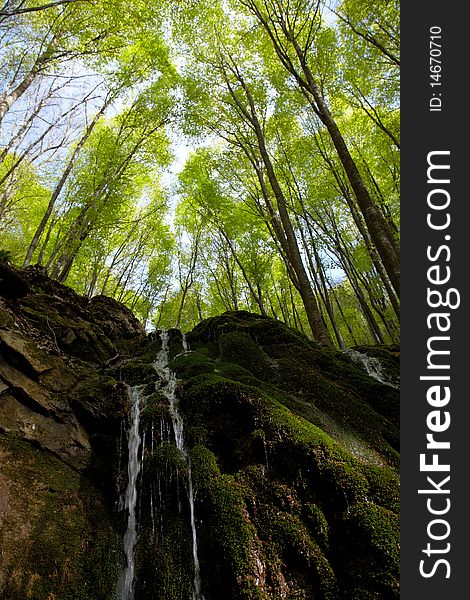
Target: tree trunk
[(379, 230), (60, 185), (319, 331), (7, 102)]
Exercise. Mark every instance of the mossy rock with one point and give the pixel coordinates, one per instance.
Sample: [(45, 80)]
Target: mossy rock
[(266, 354), (232, 536), (293, 453), (98, 400), (58, 537), (204, 467), (370, 545), (384, 487), (163, 556), (165, 456), (317, 524), (238, 347), (256, 396), (64, 325)]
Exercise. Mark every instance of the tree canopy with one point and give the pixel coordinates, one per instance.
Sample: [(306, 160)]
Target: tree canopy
[(188, 158)]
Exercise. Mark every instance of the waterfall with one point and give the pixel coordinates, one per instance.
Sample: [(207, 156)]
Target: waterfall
[(168, 389), (126, 591), (371, 365), (137, 443)]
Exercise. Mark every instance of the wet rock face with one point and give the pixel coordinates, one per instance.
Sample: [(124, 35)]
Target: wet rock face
[(293, 453), (60, 418), (54, 357), (295, 459)]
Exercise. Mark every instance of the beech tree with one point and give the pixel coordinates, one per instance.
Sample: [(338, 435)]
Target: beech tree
[(293, 29), (288, 203)]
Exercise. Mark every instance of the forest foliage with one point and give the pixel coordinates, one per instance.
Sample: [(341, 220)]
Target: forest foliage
[(189, 157)]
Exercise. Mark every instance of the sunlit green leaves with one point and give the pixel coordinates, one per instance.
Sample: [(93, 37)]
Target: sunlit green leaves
[(210, 242)]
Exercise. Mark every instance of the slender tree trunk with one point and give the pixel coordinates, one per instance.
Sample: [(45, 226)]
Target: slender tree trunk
[(373, 114), (380, 232), (319, 331), (341, 312), (181, 306), (22, 10), (60, 185), (19, 136), (199, 306), (287, 238), (282, 304), (94, 279), (365, 308), (256, 296), (271, 306), (318, 275), (189, 279), (7, 102), (359, 222), (162, 304)]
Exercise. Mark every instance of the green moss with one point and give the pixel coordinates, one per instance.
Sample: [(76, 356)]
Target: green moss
[(283, 509), (372, 548), (259, 404), (317, 524), (71, 547), (267, 355), (137, 372), (265, 495), (293, 542), (37, 465), (192, 364), (296, 445), (97, 399), (197, 363), (204, 467), (154, 409), (384, 487), (238, 347), (346, 482), (150, 351), (205, 390), (164, 560), (234, 537), (74, 557), (165, 455), (76, 336)]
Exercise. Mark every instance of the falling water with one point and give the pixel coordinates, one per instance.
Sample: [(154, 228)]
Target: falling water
[(168, 389), (126, 591), (371, 365)]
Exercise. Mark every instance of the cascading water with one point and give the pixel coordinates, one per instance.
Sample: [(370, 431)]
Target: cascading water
[(138, 445), (371, 365), (168, 389), (126, 591)]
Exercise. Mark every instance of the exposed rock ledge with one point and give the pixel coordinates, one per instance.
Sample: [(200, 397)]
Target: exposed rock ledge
[(294, 455)]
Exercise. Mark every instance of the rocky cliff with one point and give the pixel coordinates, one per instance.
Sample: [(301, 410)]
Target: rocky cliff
[(291, 450)]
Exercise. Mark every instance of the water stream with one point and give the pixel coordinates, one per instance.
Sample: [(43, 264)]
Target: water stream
[(125, 591), (168, 389), (166, 385), (371, 365)]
